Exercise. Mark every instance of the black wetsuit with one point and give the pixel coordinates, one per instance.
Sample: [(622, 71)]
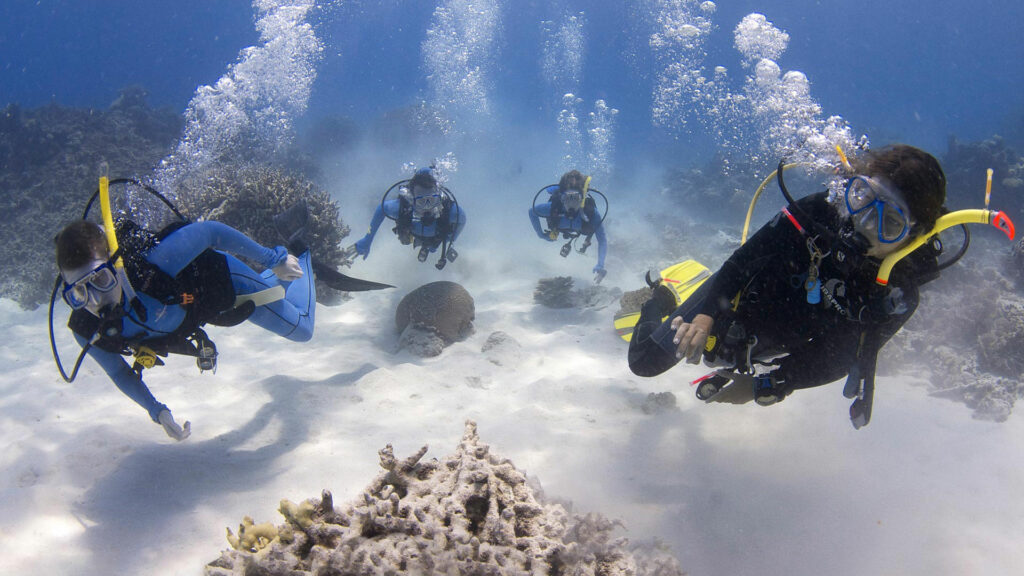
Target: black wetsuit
[(820, 341)]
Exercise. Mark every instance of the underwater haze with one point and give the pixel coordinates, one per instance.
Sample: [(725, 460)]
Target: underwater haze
[(678, 108)]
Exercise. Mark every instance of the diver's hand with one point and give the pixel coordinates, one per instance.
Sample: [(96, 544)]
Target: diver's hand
[(363, 246), (288, 269), (691, 338), (599, 273), (172, 428)]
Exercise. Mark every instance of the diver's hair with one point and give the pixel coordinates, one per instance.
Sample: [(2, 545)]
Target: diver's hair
[(79, 243), (917, 174), (423, 179), (571, 180)]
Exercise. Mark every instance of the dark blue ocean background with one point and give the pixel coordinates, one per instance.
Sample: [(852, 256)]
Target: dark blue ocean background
[(916, 72)]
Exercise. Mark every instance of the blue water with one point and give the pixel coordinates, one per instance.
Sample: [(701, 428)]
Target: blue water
[(894, 71)]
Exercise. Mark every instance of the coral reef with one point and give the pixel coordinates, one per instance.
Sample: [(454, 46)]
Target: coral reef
[(558, 292), (980, 361), (632, 300), (444, 308), (554, 292), (658, 403), (721, 189), (501, 349), (965, 164), (50, 160), (248, 196), (420, 341), (471, 513)]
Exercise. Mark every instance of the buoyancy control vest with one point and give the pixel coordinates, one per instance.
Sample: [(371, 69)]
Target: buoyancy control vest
[(588, 216), (404, 223), (203, 288)]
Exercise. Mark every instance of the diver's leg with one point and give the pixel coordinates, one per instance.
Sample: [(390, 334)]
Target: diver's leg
[(301, 295), (292, 317)]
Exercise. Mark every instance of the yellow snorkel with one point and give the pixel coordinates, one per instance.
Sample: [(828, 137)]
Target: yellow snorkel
[(586, 187), (975, 216), (108, 220), (108, 229)]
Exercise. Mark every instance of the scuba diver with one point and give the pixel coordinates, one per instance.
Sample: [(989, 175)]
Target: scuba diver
[(135, 292), (426, 215), (572, 212), (808, 297)]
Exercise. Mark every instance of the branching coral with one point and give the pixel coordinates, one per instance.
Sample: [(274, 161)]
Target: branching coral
[(469, 513), (248, 197)]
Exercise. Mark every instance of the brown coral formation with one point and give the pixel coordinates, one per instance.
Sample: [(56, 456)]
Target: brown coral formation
[(470, 513), (444, 308), (248, 196), (558, 292)]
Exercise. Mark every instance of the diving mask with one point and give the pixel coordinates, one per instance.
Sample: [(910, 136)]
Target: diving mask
[(426, 203), (877, 209), (572, 200), (99, 278)]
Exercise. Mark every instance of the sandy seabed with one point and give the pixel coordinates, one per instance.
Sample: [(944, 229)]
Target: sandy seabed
[(92, 487)]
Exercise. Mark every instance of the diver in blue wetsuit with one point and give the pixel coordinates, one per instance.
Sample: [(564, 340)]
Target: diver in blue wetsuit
[(572, 212), (169, 286), (426, 215)]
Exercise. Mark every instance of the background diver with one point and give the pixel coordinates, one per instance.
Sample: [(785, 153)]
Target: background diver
[(426, 215), (572, 212), (803, 287), (152, 294)]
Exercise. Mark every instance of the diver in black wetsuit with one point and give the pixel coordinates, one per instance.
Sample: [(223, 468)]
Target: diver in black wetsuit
[(803, 287)]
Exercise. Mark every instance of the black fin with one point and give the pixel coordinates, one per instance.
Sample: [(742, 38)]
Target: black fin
[(339, 281), (291, 225)]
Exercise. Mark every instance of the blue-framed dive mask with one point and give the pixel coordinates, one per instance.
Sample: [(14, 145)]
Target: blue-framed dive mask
[(572, 200), (102, 279), (426, 202), (876, 209)]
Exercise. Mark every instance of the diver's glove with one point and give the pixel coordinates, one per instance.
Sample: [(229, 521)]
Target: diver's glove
[(363, 246), (288, 269), (172, 428), (599, 273)]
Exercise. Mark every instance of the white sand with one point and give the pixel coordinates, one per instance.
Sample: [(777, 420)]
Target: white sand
[(92, 487)]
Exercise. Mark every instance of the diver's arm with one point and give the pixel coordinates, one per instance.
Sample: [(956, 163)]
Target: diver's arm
[(536, 213), (182, 246), (126, 379), (457, 219), (652, 348), (389, 208)]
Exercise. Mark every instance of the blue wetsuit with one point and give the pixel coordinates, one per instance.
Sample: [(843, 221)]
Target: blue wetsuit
[(577, 222), (424, 234), (292, 317)]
